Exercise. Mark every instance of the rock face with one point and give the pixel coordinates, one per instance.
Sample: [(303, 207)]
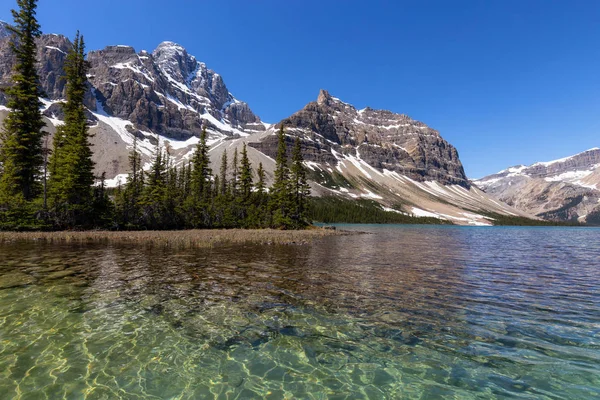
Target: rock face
[(332, 130), (4, 32), (166, 92), (562, 190)]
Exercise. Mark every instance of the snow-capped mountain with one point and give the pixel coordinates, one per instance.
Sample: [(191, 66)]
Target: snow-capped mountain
[(169, 96), (167, 91), (566, 189)]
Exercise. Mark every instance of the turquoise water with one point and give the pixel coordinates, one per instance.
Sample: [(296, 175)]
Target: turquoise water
[(402, 312)]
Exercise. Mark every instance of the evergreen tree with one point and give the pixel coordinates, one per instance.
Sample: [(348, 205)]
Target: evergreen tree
[(198, 201), (127, 200), (245, 176), (260, 184), (21, 153), (300, 187), (280, 200), (223, 173), (154, 194), (72, 178), (234, 185), (257, 207)]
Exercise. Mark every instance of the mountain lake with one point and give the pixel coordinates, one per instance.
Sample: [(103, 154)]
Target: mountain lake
[(400, 312)]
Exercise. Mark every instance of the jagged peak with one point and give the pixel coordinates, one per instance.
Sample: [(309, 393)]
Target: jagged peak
[(324, 97), (561, 160), (119, 48), (169, 49), (4, 32), (168, 43)]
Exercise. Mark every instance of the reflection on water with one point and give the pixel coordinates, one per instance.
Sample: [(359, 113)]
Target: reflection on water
[(404, 312)]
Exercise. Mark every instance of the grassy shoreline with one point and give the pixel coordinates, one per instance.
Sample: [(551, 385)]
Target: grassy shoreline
[(197, 238)]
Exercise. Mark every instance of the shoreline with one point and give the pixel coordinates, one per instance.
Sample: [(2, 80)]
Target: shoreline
[(193, 238)]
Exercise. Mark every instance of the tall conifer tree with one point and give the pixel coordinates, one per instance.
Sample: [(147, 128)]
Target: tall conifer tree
[(234, 185), (198, 201), (281, 192), (223, 174), (245, 176), (72, 177), (21, 153), (260, 184), (300, 187)]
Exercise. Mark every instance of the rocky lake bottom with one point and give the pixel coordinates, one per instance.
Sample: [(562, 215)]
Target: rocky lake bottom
[(413, 312)]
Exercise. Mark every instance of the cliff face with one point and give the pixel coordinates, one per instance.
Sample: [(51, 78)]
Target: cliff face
[(332, 130), (562, 190)]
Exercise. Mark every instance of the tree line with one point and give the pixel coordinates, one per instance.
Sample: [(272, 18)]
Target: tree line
[(55, 188)]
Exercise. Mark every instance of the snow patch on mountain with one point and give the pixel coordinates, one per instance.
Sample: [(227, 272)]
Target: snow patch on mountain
[(562, 160)]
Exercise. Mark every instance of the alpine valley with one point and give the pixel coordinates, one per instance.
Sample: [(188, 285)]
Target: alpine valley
[(167, 96)]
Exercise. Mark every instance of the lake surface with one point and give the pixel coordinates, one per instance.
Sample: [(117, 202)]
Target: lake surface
[(404, 312)]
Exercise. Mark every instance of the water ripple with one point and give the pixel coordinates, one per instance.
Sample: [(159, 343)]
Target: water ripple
[(406, 312)]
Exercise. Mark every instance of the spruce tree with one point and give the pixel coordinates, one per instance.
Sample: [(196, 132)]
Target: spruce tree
[(72, 176), (234, 185), (154, 194), (260, 184), (198, 202), (21, 153), (245, 176), (280, 199), (127, 200), (257, 210), (223, 174), (300, 187)]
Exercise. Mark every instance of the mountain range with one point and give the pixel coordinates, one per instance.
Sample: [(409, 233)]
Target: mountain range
[(566, 189), (167, 96)]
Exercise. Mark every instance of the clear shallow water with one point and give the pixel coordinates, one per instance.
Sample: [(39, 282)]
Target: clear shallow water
[(405, 312)]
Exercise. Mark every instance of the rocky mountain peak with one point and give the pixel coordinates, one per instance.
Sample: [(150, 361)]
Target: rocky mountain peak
[(168, 91), (4, 32), (174, 60), (324, 97), (333, 130)]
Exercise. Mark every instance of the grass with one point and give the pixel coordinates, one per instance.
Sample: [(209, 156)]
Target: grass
[(185, 238)]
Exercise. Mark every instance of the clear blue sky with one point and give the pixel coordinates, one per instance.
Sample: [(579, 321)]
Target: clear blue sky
[(505, 81)]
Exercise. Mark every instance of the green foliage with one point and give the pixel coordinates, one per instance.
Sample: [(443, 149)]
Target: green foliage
[(511, 220), (70, 185), (245, 177), (21, 153), (197, 203), (300, 189), (334, 209), (280, 206)]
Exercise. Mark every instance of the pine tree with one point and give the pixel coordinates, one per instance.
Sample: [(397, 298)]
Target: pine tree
[(245, 176), (234, 184), (154, 194), (260, 184), (198, 201), (127, 200), (21, 154), (72, 176), (280, 199), (223, 173), (300, 187), (257, 209)]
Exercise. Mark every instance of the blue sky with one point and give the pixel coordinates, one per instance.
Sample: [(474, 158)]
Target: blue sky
[(505, 81)]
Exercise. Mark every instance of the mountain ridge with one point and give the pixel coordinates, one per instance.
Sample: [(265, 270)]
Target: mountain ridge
[(170, 96), (565, 189)]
